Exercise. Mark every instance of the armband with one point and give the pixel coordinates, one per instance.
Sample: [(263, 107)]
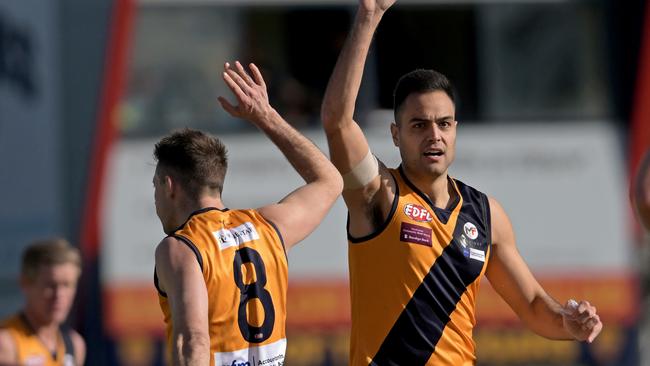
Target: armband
[(362, 174)]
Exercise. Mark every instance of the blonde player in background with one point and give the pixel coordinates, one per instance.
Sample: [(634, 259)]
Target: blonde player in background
[(419, 240), (222, 273), (35, 336)]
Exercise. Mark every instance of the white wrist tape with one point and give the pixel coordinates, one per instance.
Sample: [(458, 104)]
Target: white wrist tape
[(362, 174)]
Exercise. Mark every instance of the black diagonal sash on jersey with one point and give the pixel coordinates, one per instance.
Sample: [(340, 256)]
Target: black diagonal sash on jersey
[(414, 336)]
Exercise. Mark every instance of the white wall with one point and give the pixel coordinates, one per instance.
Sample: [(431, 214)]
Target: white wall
[(563, 185)]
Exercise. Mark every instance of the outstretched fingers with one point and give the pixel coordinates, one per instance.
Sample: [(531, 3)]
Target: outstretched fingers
[(257, 75), (241, 83), (234, 86), (250, 91), (243, 74)]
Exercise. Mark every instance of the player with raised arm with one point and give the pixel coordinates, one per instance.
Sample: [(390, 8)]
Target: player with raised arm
[(420, 240), (221, 273)]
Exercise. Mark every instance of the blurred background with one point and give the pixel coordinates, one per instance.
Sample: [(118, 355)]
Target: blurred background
[(554, 112)]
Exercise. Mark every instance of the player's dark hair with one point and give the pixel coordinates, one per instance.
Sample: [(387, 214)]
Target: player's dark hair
[(195, 159), (419, 81)]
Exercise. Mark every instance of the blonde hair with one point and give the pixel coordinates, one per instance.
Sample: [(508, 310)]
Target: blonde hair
[(48, 252)]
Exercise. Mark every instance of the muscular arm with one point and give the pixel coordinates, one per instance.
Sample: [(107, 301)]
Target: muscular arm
[(514, 282), (180, 277), (347, 144), (8, 356), (300, 212)]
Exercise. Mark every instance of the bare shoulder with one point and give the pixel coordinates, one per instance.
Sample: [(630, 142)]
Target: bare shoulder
[(7, 348), (170, 250), (502, 232), (497, 213), (165, 245), (79, 346), (172, 259)]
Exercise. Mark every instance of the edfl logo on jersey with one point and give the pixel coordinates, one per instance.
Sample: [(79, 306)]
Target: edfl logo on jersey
[(417, 213)]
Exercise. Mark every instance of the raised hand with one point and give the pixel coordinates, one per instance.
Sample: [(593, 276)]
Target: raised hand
[(581, 320), (252, 97), (374, 6)]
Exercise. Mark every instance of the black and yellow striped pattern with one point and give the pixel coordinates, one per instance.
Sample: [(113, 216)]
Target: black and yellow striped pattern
[(414, 282)]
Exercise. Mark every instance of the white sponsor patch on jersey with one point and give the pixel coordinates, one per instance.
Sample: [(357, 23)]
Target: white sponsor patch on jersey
[(479, 255), (232, 237), (36, 360), (68, 360), (267, 355), (470, 230)]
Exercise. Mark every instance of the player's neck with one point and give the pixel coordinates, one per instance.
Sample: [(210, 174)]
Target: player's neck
[(209, 201), (438, 189), (191, 206), (47, 331)]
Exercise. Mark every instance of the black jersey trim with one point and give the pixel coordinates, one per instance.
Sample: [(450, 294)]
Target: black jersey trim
[(155, 283), (383, 227), (416, 332), (191, 245), (275, 227), (442, 214), (487, 218)]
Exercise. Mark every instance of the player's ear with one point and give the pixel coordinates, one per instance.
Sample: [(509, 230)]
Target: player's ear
[(170, 185), (394, 132)]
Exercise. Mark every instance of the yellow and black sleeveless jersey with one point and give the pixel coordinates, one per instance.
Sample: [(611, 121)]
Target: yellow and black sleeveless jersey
[(244, 266), (414, 281), (30, 350)]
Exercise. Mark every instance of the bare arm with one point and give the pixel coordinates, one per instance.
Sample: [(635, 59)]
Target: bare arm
[(179, 275), (79, 347), (300, 212), (347, 144), (513, 281), (8, 356), (641, 193)]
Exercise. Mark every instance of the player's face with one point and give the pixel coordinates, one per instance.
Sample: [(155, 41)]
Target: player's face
[(50, 294), (426, 134)]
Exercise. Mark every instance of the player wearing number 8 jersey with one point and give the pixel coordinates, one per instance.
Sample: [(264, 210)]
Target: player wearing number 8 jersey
[(240, 255), (221, 273)]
